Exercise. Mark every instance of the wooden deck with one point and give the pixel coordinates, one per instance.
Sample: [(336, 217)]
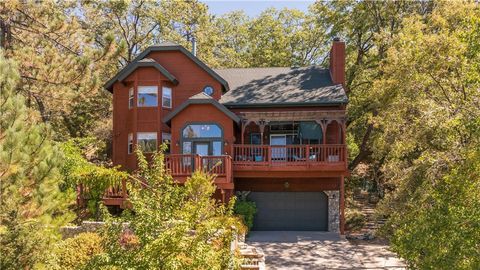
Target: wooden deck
[(248, 159), (252, 161)]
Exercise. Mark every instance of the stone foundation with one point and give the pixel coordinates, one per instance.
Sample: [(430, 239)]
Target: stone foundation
[(333, 210)]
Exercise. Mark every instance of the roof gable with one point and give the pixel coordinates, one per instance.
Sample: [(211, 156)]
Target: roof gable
[(147, 62), (201, 98), (168, 46)]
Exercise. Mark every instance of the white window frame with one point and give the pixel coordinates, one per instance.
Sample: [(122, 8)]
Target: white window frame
[(164, 91), (147, 89), (130, 143), (145, 135), (131, 98)]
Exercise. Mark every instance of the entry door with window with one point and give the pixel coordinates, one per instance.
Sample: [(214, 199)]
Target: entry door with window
[(278, 152), (201, 148)]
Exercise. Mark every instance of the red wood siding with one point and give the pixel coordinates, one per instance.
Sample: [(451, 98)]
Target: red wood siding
[(192, 79), (280, 184)]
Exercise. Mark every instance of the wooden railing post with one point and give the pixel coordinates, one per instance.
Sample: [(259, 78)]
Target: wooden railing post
[(307, 153)]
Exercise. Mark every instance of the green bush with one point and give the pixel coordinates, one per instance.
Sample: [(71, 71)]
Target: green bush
[(76, 252), (246, 210), (354, 219)]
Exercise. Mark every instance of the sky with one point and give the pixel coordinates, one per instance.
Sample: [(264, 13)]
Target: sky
[(253, 7)]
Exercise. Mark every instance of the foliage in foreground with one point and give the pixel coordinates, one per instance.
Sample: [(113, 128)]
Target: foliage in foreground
[(443, 229), (247, 210), (76, 252), (31, 203), (170, 226), (95, 179)]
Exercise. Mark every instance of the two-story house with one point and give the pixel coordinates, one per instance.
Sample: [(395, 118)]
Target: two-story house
[(276, 132)]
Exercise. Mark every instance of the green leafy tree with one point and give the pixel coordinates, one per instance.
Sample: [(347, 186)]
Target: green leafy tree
[(171, 226), (442, 231), (427, 135), (31, 204), (368, 29), (94, 179)]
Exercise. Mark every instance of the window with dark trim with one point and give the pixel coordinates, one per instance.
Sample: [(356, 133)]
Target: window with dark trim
[(147, 96), (130, 143), (202, 131), (167, 97), (147, 141), (167, 139), (255, 138), (130, 98)]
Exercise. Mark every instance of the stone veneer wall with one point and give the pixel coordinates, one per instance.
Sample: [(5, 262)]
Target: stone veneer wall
[(86, 226), (333, 210)]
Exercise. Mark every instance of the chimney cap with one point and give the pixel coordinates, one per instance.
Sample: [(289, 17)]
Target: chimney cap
[(336, 39)]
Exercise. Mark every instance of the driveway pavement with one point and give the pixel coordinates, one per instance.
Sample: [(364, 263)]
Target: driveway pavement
[(320, 250)]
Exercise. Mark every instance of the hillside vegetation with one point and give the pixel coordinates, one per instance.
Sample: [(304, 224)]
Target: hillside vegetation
[(413, 80)]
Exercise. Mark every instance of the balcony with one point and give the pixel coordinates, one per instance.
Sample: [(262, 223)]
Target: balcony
[(320, 157), (180, 167)]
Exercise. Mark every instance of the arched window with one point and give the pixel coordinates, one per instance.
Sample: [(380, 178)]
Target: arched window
[(202, 139), (202, 131)]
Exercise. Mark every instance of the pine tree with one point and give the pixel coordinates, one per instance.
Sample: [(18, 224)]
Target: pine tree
[(31, 203)]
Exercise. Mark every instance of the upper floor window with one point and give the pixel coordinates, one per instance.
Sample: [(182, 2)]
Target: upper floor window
[(202, 131), (167, 97), (130, 143), (147, 96), (130, 98), (167, 139), (147, 141)]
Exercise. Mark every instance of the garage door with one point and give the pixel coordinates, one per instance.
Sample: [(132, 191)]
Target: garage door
[(290, 211)]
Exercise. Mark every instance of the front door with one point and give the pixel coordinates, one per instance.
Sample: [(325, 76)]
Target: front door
[(278, 152), (201, 148)]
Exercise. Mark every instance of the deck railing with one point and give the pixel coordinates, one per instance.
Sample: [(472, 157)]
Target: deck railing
[(288, 155), (179, 165), (185, 165)]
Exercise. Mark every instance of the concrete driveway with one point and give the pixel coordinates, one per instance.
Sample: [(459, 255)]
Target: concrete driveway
[(320, 250)]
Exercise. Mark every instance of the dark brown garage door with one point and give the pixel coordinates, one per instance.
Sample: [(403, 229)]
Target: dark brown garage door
[(290, 211)]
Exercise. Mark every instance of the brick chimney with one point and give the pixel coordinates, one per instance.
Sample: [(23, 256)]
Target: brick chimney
[(337, 61)]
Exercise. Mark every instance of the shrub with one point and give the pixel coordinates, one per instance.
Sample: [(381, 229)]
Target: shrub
[(76, 252), (246, 210), (354, 219)]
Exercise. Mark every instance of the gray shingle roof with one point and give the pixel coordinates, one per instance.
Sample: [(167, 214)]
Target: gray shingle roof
[(281, 86)]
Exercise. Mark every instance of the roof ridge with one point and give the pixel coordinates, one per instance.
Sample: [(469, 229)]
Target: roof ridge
[(293, 67)]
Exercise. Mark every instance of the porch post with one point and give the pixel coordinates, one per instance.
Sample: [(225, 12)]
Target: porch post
[(262, 123), (344, 142), (323, 124), (342, 205), (244, 125)]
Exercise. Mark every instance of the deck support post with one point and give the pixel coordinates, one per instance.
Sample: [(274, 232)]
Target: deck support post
[(245, 122), (342, 205)]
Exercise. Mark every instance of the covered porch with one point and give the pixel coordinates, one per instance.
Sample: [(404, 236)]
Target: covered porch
[(291, 140)]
